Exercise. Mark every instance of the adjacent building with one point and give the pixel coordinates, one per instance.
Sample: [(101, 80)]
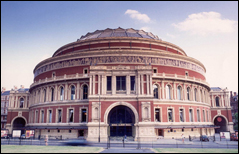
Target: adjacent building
[(117, 82), (4, 107), (221, 109), (234, 106)]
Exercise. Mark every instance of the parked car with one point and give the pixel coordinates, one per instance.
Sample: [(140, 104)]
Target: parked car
[(233, 137), (204, 138)]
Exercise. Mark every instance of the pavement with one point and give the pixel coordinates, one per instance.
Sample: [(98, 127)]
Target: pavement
[(128, 150)]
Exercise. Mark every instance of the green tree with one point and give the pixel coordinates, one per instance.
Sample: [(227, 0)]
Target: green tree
[(236, 121)]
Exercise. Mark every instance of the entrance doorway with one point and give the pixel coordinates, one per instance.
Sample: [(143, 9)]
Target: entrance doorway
[(19, 124), (160, 132), (220, 121), (121, 121)]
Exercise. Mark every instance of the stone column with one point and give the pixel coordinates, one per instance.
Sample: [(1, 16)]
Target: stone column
[(47, 94), (103, 85), (93, 92), (99, 81), (16, 102), (55, 92), (222, 98), (228, 102), (78, 90), (127, 84), (138, 84), (142, 83), (147, 83), (150, 85), (174, 91), (90, 85), (213, 101), (113, 84), (162, 83), (65, 92), (184, 92)]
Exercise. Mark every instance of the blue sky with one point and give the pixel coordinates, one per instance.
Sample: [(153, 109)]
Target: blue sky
[(205, 30)]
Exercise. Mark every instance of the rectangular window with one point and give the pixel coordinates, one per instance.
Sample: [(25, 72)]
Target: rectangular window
[(181, 115), (59, 115), (157, 115), (83, 115), (132, 83), (121, 83), (155, 70), (170, 115), (198, 115), (50, 116), (204, 116), (190, 115), (108, 83), (42, 116), (71, 115), (85, 71), (36, 117)]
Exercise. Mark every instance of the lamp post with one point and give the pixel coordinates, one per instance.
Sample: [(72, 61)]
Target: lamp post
[(99, 118)]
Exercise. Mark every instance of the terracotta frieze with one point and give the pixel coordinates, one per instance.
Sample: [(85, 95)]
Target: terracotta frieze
[(119, 59)]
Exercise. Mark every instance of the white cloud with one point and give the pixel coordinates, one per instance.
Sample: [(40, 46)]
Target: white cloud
[(146, 29), (207, 22), (136, 15)]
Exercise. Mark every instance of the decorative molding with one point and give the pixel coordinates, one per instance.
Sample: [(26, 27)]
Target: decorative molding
[(118, 59)]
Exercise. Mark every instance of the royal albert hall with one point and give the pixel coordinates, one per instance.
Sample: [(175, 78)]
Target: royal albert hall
[(117, 82)]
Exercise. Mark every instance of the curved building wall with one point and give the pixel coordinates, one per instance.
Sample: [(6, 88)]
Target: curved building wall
[(156, 81)]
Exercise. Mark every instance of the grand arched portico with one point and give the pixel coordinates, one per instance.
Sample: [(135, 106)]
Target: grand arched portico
[(121, 121), (221, 121), (19, 123)]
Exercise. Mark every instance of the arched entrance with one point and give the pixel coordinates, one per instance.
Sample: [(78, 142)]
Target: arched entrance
[(19, 124), (121, 121), (220, 121)]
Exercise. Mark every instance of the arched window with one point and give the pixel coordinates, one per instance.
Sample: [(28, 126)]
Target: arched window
[(217, 102), (188, 93), (179, 92), (195, 94), (85, 92), (21, 102), (156, 91), (52, 94), (61, 93), (44, 95), (168, 92), (72, 92)]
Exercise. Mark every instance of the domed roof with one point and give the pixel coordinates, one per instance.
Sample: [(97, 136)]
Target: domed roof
[(119, 32)]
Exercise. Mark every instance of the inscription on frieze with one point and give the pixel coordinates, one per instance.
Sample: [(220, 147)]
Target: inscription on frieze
[(119, 59)]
